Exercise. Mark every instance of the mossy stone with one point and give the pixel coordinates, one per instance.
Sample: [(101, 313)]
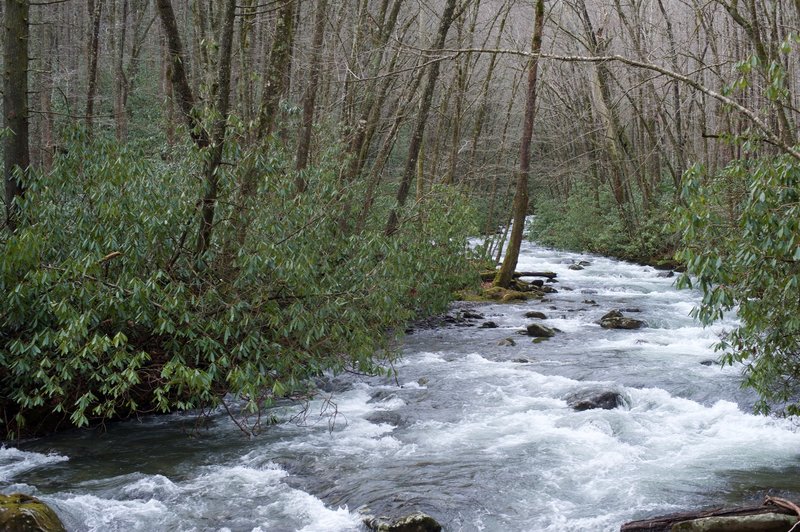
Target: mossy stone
[(23, 513)]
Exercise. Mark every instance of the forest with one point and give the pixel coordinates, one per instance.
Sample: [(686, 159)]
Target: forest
[(209, 202)]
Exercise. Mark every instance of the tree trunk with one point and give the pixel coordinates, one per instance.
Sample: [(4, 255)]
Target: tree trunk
[(218, 130), (95, 8), (505, 275), (278, 67), (45, 97), (16, 156), (178, 76), (422, 118), (120, 89), (310, 96)]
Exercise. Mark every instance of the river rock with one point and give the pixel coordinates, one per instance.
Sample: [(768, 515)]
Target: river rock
[(507, 342), (575, 267), (584, 263), (615, 320), (23, 513), (538, 283), (416, 522), (471, 315), (539, 331), (592, 399), (536, 314), (666, 275), (488, 325), (385, 417)]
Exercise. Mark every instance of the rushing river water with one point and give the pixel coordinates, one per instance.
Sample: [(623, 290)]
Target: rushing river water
[(477, 434)]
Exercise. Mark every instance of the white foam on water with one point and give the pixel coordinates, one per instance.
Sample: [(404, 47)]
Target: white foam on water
[(14, 462), (222, 497)]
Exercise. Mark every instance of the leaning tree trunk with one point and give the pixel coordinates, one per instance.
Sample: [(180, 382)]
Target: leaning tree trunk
[(16, 156), (506, 273), (422, 118), (310, 96)]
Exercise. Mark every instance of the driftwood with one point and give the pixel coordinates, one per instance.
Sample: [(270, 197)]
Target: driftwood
[(489, 275), (724, 519), (549, 275)]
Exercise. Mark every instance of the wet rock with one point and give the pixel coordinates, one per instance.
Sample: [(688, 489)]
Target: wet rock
[(592, 399), (536, 314), (575, 267), (23, 513), (588, 291), (584, 263), (708, 362), (548, 290), (615, 320), (666, 275), (521, 361), (488, 325), (540, 340), (538, 283), (507, 342), (381, 395), (589, 302), (551, 281), (512, 295), (416, 522), (385, 417), (632, 309), (539, 331), (471, 315)]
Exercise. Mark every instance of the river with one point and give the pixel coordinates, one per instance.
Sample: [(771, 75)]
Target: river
[(477, 434)]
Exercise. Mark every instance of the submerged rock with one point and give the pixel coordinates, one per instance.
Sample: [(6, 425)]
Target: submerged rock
[(507, 342), (416, 522), (539, 331), (488, 325), (615, 320), (576, 267), (23, 513), (592, 399)]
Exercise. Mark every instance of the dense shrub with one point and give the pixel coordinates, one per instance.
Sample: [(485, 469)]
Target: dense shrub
[(106, 312), (741, 236), (589, 220)]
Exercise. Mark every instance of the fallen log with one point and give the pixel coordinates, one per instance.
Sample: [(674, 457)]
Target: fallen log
[(489, 275), (775, 515), (549, 275)]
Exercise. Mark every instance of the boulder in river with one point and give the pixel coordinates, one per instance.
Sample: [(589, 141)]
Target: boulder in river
[(592, 399), (507, 342), (23, 513), (470, 314), (536, 314), (539, 331), (615, 320), (415, 522), (488, 325), (576, 267)]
